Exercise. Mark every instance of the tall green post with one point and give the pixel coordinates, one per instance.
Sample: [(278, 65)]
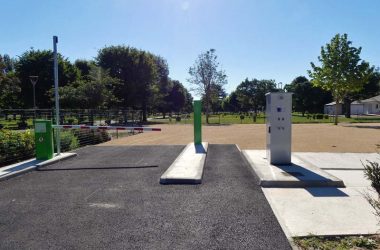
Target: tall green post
[(197, 122)]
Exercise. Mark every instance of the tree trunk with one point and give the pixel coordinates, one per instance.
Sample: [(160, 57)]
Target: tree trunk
[(163, 115), (347, 107), (144, 110), (336, 112)]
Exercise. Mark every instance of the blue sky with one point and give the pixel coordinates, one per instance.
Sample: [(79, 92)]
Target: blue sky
[(264, 39)]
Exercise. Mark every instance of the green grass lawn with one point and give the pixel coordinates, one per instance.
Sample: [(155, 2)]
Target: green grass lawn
[(213, 119), (235, 119)]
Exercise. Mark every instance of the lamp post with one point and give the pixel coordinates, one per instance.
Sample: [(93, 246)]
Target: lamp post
[(33, 80)]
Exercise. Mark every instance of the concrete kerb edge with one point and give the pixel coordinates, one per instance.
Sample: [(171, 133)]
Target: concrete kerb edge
[(185, 181), (20, 172), (281, 222), (286, 231), (33, 167), (52, 161), (250, 165)]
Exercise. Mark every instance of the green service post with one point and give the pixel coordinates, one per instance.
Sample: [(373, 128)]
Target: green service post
[(43, 137), (197, 122)]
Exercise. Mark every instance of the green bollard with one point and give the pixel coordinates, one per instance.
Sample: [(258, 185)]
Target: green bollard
[(43, 137), (197, 122)]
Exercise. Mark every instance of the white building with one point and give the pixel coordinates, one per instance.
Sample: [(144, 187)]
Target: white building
[(330, 108), (357, 108), (371, 105), (364, 107)]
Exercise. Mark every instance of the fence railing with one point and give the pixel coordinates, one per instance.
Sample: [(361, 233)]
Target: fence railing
[(23, 118), (17, 130)]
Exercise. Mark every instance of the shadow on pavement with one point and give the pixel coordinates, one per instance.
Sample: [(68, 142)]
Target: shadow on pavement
[(93, 168), (326, 192)]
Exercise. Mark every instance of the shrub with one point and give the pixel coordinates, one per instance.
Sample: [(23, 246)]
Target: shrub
[(178, 119), (68, 141), (314, 116), (91, 137), (372, 173), (22, 124), (72, 120), (15, 146), (326, 116), (319, 116)]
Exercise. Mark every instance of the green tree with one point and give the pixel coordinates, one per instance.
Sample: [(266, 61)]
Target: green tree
[(231, 103), (205, 76), (9, 85), (370, 89), (306, 97), (177, 97), (251, 94), (342, 71), (40, 63), (137, 71), (94, 92), (162, 87), (84, 66)]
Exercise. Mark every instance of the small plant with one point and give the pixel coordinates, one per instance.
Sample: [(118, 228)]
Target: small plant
[(72, 120), (178, 119), (319, 116), (242, 118), (68, 141), (372, 173), (326, 116), (351, 242)]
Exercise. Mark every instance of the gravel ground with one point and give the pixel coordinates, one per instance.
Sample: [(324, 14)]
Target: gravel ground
[(355, 138), (110, 198)]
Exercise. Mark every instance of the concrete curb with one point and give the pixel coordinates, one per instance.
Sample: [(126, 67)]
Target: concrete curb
[(330, 181), (33, 166), (188, 166), (62, 157)]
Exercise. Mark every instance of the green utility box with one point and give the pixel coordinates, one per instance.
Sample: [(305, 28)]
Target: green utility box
[(43, 137)]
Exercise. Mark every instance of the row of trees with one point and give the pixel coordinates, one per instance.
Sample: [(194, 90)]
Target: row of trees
[(342, 76), (119, 77), (122, 76)]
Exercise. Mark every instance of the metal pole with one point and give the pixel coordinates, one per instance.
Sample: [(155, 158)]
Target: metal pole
[(34, 96), (34, 100), (58, 138)]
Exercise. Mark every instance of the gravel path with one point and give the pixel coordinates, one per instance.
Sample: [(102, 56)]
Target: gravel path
[(355, 138)]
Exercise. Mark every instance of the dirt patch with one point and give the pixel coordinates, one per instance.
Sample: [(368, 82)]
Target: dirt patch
[(355, 138)]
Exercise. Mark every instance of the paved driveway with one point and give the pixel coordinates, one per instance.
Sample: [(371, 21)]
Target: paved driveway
[(110, 198)]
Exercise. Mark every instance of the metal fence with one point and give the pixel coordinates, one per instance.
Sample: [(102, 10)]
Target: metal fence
[(17, 130)]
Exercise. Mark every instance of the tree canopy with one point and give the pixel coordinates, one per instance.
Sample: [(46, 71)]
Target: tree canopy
[(251, 93), (342, 71), (306, 97), (207, 78), (40, 63)]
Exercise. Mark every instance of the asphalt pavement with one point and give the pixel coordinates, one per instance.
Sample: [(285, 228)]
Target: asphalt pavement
[(110, 198)]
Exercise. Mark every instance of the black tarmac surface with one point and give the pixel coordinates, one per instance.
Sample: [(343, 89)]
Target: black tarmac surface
[(110, 198)]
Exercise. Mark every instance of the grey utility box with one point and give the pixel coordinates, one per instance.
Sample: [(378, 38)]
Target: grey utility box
[(279, 127)]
